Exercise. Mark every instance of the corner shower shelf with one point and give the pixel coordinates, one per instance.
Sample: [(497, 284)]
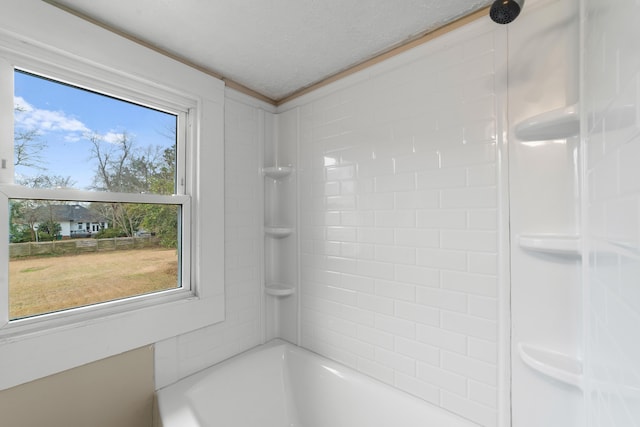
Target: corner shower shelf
[(278, 232), (552, 364), (554, 244), (277, 172), (279, 289), (555, 124)]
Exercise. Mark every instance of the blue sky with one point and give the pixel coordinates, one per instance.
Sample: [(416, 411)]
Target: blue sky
[(64, 116)]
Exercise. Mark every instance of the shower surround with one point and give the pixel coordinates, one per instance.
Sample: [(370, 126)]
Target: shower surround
[(400, 223)]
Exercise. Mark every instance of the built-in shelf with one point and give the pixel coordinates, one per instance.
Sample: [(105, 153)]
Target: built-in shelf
[(277, 172), (555, 124), (279, 289), (559, 366), (555, 244), (278, 232)]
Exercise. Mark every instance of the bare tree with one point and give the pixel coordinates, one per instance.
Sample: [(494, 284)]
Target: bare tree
[(28, 149), (47, 181), (27, 146), (112, 160), (121, 167)]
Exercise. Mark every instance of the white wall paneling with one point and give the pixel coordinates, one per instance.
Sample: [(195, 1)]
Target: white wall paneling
[(611, 93), (401, 221), (242, 328)]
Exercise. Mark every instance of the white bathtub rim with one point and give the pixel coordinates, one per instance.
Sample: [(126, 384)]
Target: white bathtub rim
[(343, 370)]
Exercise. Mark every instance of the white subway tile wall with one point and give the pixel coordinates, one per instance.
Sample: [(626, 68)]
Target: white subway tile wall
[(241, 329), (399, 230), (612, 103)]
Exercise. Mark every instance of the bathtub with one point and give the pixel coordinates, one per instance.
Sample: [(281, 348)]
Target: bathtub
[(281, 385)]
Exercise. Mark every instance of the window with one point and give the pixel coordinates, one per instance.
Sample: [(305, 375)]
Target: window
[(74, 217), (74, 138)]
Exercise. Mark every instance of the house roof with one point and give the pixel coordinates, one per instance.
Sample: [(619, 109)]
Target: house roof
[(75, 213)]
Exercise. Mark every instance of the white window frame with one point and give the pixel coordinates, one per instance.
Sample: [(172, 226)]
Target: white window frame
[(50, 343), (144, 95)]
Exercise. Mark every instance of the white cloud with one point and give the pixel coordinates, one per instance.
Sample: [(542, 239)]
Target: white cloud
[(45, 121), (20, 103), (74, 137), (112, 137)]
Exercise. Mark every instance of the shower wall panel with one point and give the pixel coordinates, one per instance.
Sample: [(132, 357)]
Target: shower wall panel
[(612, 138), (544, 205), (399, 207), (242, 328)]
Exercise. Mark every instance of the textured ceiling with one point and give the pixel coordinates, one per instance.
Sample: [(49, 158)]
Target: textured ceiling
[(274, 47)]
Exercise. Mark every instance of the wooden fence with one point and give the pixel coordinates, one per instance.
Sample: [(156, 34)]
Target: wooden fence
[(79, 246)]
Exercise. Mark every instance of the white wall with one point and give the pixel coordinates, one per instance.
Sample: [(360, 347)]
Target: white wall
[(399, 203), (612, 139), (242, 328)]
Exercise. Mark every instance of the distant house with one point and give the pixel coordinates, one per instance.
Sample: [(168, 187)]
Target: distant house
[(76, 220)]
